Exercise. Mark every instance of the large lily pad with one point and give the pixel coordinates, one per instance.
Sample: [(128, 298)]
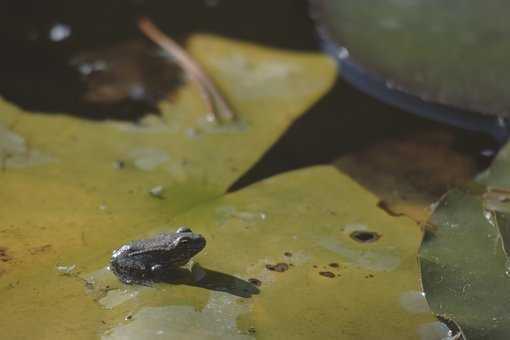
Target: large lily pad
[(335, 287), (72, 190), (464, 260), (329, 285), (449, 52)]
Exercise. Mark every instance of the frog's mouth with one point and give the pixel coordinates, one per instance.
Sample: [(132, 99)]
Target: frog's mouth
[(199, 244)]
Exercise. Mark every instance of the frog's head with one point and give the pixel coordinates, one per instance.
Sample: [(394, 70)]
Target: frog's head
[(187, 242)]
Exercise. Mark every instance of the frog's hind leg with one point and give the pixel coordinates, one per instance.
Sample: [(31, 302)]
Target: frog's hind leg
[(131, 271)]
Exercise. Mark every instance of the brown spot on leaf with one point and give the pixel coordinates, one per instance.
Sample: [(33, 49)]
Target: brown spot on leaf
[(279, 267), (287, 254), (4, 257), (334, 265), (327, 274), (365, 236)]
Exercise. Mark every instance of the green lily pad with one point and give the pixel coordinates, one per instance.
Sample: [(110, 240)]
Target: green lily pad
[(463, 257), (449, 52), (72, 190)]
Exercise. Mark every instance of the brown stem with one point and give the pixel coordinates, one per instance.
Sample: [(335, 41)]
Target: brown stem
[(213, 99)]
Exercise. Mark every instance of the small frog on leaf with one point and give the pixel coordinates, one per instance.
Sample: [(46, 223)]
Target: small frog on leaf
[(141, 261)]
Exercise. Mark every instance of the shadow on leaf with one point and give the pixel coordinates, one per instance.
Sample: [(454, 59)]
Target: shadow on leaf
[(208, 279)]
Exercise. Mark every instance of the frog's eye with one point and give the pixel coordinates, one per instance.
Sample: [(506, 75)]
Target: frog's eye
[(184, 230), (183, 240)]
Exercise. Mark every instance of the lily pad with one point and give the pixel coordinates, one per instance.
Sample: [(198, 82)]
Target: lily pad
[(445, 52), (72, 190), (334, 286), (464, 260)]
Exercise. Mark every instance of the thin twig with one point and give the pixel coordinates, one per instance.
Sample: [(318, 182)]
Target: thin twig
[(214, 101)]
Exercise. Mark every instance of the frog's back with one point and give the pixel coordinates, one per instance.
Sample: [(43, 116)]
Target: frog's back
[(160, 241)]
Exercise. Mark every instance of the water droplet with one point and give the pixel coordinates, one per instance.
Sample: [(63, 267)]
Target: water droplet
[(59, 32), (343, 53), (66, 269), (489, 216), (210, 118), (487, 153), (157, 191)]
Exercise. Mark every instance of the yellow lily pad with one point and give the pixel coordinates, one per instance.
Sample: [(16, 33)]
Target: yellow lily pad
[(331, 286), (72, 189), (299, 245)]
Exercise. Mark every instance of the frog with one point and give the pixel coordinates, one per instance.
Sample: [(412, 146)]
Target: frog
[(141, 261)]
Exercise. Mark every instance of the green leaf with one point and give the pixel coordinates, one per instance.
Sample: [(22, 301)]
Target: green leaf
[(463, 257), (435, 50)]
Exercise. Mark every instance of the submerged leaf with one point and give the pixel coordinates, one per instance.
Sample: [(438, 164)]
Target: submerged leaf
[(410, 172)]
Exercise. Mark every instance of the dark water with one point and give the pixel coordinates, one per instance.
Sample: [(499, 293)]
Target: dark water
[(37, 73), (36, 67)]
